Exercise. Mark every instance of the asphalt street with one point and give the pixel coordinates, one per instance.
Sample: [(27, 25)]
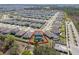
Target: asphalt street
[(71, 45)]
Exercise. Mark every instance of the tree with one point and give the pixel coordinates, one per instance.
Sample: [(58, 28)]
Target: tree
[(44, 50), (10, 38), (2, 37), (14, 50), (9, 42), (26, 52), (36, 44)]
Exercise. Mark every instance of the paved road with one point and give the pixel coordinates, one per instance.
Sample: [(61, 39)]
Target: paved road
[(71, 45), (75, 32), (50, 22)]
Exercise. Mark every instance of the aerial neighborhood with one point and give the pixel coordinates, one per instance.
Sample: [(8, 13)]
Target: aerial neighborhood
[(38, 30)]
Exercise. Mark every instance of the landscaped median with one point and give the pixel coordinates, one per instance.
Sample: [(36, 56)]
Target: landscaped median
[(62, 35)]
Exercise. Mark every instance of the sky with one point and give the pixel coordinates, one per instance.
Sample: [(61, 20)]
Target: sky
[(39, 1)]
